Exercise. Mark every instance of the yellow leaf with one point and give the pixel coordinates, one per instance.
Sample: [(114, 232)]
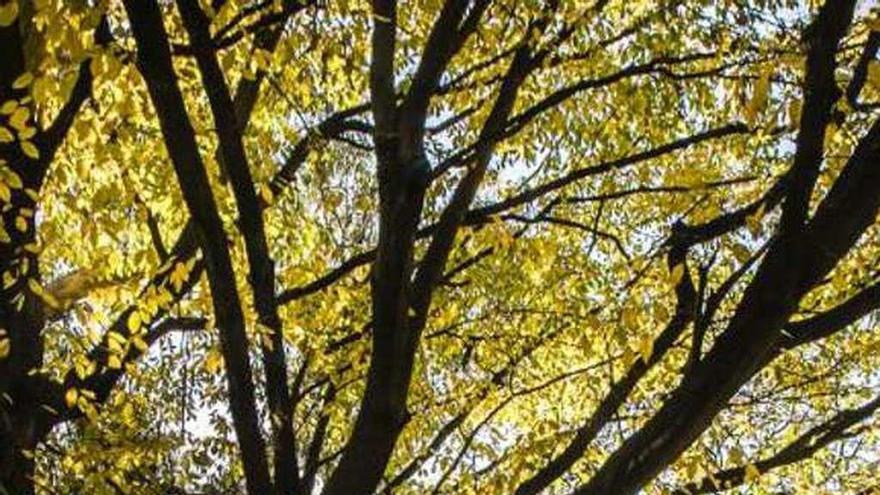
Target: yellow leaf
[(646, 348), (760, 96), (8, 107), (26, 133), (630, 317), (19, 118), (67, 84), (50, 300), (262, 59), (213, 361), (753, 222), (5, 346), (676, 273), (830, 132), (70, 397), (874, 73), (113, 362), (40, 292), (95, 67), (736, 456), (30, 150), (134, 321), (844, 107), (41, 90), (740, 252), (5, 193), (266, 194), (751, 473), (6, 135), (660, 312), (179, 276), (139, 344), (35, 287), (23, 81), (21, 224), (115, 341), (267, 342), (83, 366), (794, 114), (8, 13)]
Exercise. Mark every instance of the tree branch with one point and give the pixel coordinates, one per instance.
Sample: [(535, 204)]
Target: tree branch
[(154, 62), (262, 267), (802, 448)]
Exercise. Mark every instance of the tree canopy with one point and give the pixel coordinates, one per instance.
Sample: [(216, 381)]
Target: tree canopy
[(402, 247)]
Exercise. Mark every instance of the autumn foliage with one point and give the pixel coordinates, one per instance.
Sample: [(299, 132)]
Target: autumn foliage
[(296, 247)]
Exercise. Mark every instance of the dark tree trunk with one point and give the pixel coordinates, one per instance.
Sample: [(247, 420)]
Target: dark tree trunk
[(23, 425), (16, 469)]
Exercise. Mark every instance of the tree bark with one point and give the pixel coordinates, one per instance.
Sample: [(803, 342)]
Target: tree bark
[(16, 469)]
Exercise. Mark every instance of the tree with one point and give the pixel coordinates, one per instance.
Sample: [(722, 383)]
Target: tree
[(459, 246)]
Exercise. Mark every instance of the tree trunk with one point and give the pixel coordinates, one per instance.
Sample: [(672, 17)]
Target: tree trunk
[(17, 433)]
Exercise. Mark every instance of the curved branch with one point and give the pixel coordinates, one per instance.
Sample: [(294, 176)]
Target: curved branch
[(807, 444)]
